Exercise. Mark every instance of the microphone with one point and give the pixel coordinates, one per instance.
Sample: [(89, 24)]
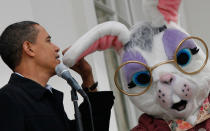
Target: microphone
[(63, 72)]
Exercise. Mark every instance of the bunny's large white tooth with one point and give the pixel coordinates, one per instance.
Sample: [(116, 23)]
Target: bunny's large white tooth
[(176, 98)]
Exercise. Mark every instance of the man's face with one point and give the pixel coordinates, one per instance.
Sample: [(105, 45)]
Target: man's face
[(46, 53)]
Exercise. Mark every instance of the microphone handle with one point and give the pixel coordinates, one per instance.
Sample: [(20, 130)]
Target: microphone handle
[(73, 83)]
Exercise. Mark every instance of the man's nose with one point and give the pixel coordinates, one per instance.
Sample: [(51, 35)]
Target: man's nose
[(167, 78), (57, 49)]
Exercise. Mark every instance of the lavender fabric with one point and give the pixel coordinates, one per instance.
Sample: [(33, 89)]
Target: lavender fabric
[(132, 68), (172, 38)]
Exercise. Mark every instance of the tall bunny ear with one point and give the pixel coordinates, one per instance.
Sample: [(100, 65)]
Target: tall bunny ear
[(161, 11), (101, 37)]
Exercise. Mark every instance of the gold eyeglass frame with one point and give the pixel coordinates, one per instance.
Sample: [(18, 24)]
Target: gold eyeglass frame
[(150, 69)]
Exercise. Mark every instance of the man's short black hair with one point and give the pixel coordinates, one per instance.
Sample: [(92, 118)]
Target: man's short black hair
[(12, 39)]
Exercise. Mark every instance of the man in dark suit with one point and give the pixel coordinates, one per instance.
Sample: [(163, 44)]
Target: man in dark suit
[(27, 102)]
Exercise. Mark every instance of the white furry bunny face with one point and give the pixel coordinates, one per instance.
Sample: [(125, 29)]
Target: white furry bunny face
[(173, 94)]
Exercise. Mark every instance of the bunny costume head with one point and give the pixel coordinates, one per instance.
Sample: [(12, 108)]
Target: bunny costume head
[(164, 70)]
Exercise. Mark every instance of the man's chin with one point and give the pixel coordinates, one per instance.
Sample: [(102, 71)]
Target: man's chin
[(53, 68), (58, 61)]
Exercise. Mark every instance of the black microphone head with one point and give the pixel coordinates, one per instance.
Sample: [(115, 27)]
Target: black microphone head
[(60, 68)]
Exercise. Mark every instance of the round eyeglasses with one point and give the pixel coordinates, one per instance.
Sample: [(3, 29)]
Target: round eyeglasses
[(188, 59)]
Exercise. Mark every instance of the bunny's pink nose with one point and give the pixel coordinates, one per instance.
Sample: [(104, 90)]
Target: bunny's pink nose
[(167, 78)]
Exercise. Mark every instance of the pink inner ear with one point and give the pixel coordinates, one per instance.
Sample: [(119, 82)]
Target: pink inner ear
[(101, 44), (169, 9)]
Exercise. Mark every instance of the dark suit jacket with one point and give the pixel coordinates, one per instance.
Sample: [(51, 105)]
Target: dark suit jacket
[(26, 106)]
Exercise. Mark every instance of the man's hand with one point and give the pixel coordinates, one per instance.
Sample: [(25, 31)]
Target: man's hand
[(83, 68)]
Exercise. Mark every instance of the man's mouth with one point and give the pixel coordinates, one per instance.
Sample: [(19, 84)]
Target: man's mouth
[(57, 57), (179, 106)]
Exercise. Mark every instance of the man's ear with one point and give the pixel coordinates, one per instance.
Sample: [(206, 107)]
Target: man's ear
[(27, 48)]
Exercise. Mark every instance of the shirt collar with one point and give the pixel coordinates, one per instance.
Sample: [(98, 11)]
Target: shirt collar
[(49, 87), (19, 74)]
